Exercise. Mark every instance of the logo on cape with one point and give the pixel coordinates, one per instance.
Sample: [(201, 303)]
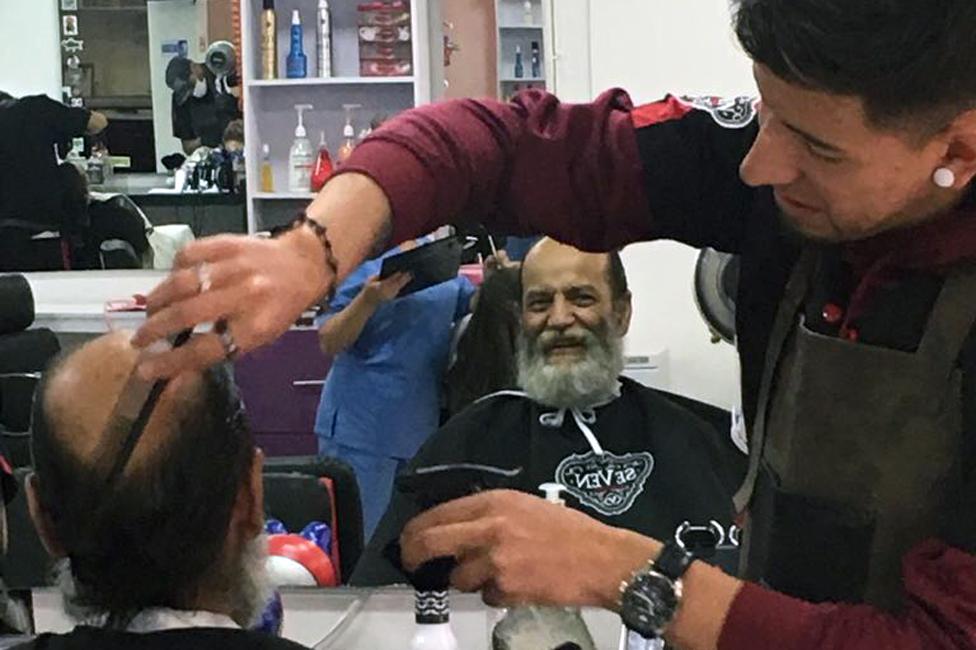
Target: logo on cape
[(609, 483), (733, 113)]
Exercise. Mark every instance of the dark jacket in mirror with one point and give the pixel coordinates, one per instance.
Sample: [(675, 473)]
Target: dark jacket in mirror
[(661, 464), (30, 129)]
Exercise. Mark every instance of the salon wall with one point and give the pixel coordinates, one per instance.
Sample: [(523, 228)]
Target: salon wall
[(472, 71), (115, 44), (650, 48), (29, 28)]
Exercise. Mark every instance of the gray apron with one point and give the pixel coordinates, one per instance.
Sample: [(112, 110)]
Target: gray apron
[(855, 452)]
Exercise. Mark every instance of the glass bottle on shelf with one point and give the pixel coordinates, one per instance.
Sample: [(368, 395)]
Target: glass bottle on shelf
[(267, 172)]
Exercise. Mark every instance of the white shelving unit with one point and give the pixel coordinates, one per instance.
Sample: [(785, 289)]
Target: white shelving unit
[(332, 81), (517, 29), (269, 114)]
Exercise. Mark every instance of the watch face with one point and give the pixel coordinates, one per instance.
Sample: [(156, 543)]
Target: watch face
[(649, 604)]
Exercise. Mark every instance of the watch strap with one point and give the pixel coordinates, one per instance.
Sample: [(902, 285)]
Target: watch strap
[(673, 561)]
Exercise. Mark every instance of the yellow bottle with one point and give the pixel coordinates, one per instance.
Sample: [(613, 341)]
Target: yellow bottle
[(267, 173), (269, 41)]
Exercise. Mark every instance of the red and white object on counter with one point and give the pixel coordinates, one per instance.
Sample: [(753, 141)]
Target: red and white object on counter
[(296, 561)]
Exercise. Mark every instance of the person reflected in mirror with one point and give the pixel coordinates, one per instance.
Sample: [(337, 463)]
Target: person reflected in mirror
[(381, 398), (628, 455), (483, 348), (33, 130), (202, 106), (171, 554)]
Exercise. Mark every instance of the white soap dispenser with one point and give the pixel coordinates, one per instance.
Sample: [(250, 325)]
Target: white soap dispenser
[(348, 134), (536, 627), (301, 158)]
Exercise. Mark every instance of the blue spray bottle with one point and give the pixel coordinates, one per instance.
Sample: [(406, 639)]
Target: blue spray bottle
[(297, 63)]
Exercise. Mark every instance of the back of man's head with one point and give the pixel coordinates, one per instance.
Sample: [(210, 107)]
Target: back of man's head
[(175, 528)]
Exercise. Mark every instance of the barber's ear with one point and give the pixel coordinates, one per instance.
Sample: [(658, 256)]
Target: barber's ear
[(42, 520), (961, 153), (623, 311)]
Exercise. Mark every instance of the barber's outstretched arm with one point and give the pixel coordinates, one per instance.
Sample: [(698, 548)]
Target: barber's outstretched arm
[(517, 548), (572, 171)]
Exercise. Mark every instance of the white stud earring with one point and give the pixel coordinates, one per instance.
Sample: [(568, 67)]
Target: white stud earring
[(944, 177)]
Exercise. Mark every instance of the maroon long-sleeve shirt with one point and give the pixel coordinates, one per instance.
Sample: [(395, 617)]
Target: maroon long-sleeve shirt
[(604, 174)]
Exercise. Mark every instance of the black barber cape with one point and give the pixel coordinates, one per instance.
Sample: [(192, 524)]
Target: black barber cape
[(86, 638), (662, 465)]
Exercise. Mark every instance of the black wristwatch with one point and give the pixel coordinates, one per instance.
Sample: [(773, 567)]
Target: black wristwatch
[(649, 601)]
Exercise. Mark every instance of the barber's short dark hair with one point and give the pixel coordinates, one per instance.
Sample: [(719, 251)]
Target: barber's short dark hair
[(4, 96), (616, 275), (910, 61), (156, 537)]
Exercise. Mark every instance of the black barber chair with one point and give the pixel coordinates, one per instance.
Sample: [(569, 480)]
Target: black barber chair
[(24, 355), (296, 493)]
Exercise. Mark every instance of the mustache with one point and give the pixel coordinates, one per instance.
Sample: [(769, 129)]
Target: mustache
[(547, 341)]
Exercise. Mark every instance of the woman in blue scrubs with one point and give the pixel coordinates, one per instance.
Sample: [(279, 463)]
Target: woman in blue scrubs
[(381, 399)]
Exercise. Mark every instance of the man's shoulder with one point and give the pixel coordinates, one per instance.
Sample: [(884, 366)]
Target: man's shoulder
[(490, 405), (676, 407), (502, 412), (82, 638)]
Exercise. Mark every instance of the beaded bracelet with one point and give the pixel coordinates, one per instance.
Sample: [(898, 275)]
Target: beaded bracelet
[(321, 233)]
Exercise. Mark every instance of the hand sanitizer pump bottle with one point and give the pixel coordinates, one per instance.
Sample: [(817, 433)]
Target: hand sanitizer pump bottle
[(302, 156), (536, 627)]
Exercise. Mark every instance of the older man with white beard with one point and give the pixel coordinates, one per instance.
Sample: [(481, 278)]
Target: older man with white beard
[(165, 548), (627, 455)]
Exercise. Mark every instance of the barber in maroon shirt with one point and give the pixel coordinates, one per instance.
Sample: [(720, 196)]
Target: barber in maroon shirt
[(849, 199)]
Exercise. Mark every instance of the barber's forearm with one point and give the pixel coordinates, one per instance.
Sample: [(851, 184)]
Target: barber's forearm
[(708, 593), (358, 217), (531, 166)]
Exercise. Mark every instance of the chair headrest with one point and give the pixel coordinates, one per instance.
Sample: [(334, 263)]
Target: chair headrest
[(16, 304)]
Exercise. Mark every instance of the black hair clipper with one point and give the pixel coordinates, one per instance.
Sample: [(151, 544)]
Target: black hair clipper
[(436, 484)]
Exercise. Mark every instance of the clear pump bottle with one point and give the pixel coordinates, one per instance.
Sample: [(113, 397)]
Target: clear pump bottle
[(533, 627), (348, 134), (301, 158)]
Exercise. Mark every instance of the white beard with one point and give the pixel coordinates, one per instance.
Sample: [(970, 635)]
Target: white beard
[(251, 591), (587, 382)]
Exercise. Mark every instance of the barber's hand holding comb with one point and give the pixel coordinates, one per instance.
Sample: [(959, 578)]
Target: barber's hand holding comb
[(255, 289)]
